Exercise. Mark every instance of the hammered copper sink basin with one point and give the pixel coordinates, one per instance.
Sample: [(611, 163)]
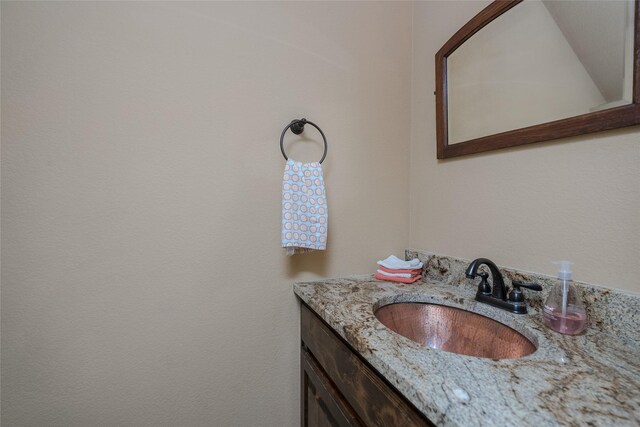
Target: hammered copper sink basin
[(454, 330)]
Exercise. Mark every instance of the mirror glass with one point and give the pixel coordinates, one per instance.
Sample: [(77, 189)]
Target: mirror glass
[(538, 62)]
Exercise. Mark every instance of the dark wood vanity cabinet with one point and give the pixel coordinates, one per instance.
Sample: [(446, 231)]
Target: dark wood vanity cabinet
[(340, 389)]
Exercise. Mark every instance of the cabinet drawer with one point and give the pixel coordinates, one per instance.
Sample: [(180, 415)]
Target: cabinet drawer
[(374, 401)]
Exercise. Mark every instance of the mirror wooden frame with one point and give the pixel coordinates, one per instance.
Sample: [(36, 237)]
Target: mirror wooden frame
[(613, 118)]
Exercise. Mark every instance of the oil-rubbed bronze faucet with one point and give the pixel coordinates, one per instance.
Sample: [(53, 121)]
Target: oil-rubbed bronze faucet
[(495, 293)]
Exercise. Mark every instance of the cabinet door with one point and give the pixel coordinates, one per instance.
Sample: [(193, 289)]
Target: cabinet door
[(322, 404), (372, 401)]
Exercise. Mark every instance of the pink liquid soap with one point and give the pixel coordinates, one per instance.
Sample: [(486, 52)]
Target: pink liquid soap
[(572, 323)]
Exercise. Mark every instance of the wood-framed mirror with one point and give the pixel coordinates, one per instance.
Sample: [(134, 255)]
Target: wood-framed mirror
[(529, 71)]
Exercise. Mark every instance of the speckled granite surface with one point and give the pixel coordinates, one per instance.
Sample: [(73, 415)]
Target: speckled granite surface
[(590, 379)]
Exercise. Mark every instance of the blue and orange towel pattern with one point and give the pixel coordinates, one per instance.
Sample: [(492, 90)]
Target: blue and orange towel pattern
[(304, 208)]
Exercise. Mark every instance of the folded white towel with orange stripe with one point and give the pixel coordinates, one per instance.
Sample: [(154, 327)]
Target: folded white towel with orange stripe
[(395, 263), (395, 270), (411, 272), (405, 275), (398, 279)]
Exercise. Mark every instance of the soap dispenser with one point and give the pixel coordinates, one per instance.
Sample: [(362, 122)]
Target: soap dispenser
[(564, 310)]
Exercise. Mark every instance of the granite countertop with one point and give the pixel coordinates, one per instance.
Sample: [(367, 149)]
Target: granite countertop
[(589, 379)]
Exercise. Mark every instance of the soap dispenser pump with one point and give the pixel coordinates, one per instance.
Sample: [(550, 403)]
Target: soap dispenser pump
[(564, 310)]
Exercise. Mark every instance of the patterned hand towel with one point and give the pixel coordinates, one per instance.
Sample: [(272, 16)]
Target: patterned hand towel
[(304, 208)]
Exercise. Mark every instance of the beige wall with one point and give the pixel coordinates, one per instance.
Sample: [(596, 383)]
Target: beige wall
[(576, 199), (143, 283)]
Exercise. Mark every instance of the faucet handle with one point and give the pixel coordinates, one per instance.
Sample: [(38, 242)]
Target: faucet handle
[(516, 294), (483, 286), (533, 286)]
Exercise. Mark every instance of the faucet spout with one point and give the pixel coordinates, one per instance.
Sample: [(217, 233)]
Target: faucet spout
[(498, 289)]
